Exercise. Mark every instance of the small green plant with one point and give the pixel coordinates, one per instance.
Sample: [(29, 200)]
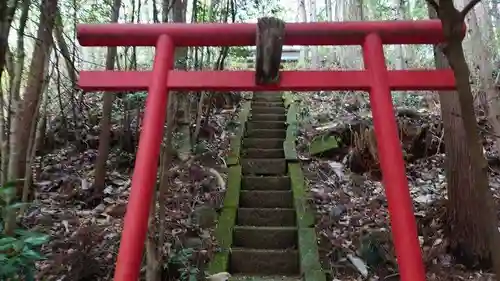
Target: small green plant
[(19, 250), (182, 258)]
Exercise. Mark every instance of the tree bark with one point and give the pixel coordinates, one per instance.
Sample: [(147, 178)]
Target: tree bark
[(28, 107), (472, 223), (6, 16), (100, 166)]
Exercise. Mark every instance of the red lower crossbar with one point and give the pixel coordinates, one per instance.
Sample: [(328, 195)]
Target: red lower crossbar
[(245, 80)]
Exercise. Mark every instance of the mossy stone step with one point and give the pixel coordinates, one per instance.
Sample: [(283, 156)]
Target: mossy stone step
[(263, 153), (264, 262), (266, 98), (266, 199), (263, 166), (266, 217), (266, 143), (268, 104), (276, 125), (265, 183), (267, 133), (267, 117), (267, 93), (264, 278), (265, 237), (268, 110)]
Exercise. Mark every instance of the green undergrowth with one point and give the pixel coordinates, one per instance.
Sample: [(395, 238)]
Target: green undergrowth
[(19, 248)]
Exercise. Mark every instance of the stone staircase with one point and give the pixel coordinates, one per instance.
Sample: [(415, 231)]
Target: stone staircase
[(265, 231), (265, 234)]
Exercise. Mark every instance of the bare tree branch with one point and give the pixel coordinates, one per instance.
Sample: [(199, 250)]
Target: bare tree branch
[(433, 4), (469, 7)]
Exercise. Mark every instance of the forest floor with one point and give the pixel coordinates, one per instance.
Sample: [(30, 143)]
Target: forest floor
[(352, 213), (349, 199), (86, 232)]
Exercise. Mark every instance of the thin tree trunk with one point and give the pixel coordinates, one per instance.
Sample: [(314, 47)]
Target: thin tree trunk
[(24, 117), (104, 136)]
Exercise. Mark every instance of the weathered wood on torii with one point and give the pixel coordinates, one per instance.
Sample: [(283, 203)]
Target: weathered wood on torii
[(269, 41)]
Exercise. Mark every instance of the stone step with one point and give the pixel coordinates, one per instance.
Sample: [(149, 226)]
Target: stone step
[(266, 133), (276, 125), (264, 143), (263, 166), (239, 277), (267, 104), (263, 153), (268, 110), (264, 262), (266, 217), (267, 98), (266, 199), (265, 237), (268, 117), (265, 183), (269, 93)]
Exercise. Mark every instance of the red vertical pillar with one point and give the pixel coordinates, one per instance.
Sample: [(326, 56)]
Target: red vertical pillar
[(135, 226), (403, 224)]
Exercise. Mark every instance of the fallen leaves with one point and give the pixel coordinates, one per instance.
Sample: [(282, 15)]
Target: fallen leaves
[(85, 228), (352, 212)]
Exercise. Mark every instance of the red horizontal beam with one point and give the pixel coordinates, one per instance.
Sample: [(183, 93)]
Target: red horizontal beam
[(243, 34), (112, 81)]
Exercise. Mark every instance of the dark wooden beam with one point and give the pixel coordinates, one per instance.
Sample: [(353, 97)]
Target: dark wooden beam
[(269, 42)]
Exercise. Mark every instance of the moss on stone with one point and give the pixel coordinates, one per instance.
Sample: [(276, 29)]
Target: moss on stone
[(291, 130), (227, 219), (308, 248), (297, 181), (232, 196), (291, 115), (224, 235), (315, 275), (305, 216), (289, 150), (233, 157)]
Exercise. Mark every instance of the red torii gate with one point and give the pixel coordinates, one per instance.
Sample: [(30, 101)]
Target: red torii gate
[(375, 79)]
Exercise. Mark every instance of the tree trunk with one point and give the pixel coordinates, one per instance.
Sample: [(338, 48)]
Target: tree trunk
[(34, 86), (315, 60), (182, 99), (104, 136), (6, 16), (472, 223), (304, 50), (15, 88)]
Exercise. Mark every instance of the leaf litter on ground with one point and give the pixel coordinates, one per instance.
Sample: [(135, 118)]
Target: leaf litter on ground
[(85, 235), (352, 212)]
